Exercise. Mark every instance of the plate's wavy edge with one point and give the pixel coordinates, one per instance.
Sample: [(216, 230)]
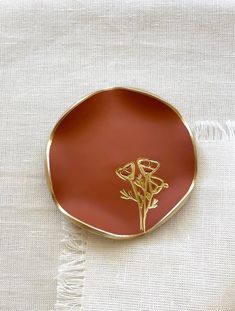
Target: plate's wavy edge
[(97, 230)]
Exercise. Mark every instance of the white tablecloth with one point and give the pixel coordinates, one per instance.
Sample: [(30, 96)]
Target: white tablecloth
[(51, 54)]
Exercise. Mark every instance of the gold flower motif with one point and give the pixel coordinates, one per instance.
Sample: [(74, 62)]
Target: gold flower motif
[(144, 187), (126, 172)]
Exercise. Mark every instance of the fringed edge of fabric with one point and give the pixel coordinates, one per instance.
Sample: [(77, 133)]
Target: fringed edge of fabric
[(213, 130), (71, 269)]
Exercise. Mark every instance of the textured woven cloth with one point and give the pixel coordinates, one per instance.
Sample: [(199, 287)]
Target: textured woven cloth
[(51, 54), (188, 264)]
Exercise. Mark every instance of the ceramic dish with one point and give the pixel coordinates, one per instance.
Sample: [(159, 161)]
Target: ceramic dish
[(120, 162)]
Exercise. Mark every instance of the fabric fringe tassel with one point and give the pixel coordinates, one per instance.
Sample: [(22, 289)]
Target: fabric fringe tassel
[(213, 130), (71, 269)]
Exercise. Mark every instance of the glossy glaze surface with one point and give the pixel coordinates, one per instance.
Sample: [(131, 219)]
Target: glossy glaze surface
[(105, 131)]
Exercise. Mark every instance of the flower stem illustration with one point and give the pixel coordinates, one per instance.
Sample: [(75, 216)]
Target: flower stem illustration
[(144, 186)]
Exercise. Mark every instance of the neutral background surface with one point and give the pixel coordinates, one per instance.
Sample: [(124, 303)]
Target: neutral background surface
[(51, 54)]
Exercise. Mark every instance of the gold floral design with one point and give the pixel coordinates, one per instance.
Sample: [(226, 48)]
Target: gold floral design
[(144, 186)]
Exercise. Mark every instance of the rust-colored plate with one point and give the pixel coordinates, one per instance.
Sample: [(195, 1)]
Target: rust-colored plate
[(126, 140)]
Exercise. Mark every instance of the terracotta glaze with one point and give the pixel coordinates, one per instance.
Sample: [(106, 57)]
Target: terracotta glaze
[(105, 131)]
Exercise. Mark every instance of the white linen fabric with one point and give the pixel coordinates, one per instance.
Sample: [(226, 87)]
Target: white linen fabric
[(51, 54), (188, 264)]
